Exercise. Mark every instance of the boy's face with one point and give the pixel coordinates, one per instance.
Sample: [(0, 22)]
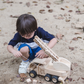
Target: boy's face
[(28, 36)]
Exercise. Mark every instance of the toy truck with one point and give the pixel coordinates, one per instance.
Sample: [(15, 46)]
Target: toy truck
[(54, 68)]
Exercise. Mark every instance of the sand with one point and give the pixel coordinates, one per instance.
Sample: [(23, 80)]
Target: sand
[(55, 18)]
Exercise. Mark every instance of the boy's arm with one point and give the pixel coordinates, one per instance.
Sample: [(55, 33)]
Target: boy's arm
[(12, 43), (52, 42), (47, 36), (11, 49)]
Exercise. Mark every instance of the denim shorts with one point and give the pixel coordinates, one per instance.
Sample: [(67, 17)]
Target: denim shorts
[(32, 52)]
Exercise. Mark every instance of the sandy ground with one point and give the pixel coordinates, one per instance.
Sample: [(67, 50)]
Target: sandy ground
[(54, 18)]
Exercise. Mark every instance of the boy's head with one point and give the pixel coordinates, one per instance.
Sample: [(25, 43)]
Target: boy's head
[(26, 24)]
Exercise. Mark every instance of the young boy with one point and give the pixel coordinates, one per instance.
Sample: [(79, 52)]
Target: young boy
[(26, 27)]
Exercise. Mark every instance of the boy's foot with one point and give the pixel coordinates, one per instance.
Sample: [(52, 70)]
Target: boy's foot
[(23, 67), (23, 75)]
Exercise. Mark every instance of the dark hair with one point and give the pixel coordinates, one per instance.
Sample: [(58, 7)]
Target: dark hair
[(26, 24)]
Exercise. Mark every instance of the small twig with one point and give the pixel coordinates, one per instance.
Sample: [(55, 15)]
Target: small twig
[(24, 57)]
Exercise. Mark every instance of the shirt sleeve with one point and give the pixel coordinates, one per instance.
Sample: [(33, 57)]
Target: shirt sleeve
[(44, 34), (15, 39)]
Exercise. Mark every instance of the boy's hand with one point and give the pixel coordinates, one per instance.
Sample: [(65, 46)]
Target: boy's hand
[(17, 53), (41, 54)]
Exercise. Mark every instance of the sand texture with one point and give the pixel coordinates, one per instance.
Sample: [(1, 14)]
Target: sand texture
[(59, 19)]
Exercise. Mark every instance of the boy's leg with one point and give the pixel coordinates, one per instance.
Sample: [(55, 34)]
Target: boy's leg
[(25, 53), (24, 49)]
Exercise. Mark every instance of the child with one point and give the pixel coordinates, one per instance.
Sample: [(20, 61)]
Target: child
[(26, 27)]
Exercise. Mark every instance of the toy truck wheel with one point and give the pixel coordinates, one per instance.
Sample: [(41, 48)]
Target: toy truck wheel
[(47, 77), (54, 79), (32, 74)]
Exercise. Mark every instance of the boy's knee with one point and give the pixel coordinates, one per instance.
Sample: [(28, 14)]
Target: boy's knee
[(24, 49)]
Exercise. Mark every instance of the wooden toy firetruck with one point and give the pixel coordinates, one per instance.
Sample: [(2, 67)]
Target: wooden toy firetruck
[(54, 68)]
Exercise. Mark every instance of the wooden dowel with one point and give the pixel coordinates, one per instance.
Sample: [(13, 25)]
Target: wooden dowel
[(46, 49), (39, 40)]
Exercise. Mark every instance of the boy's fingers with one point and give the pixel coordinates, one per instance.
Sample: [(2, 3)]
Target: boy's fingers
[(41, 56), (18, 55), (37, 54)]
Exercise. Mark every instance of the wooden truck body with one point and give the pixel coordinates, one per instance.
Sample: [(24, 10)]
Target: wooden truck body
[(53, 68)]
